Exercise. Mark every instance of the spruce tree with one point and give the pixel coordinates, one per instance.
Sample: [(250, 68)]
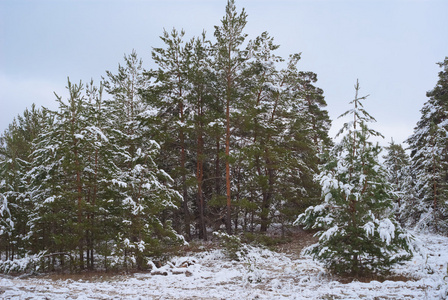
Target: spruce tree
[(358, 233)]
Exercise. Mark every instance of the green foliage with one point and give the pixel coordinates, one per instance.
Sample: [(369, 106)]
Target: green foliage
[(264, 240), (16, 209), (397, 164), (429, 158), (358, 233), (221, 131), (231, 245), (225, 112)]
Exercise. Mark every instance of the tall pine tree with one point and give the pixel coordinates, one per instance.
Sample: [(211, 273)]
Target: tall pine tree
[(230, 63)]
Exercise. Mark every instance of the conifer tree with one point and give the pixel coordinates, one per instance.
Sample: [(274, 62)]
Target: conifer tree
[(6, 223), (308, 127), (278, 156), (169, 95), (89, 181), (58, 178), (143, 190), (358, 233), (429, 156), (397, 164), (203, 112), (254, 172), (229, 63), (98, 172), (14, 164)]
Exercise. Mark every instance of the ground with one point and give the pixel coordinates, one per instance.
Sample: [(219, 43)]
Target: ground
[(261, 274)]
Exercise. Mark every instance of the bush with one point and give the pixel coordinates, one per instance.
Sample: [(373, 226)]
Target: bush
[(231, 245)]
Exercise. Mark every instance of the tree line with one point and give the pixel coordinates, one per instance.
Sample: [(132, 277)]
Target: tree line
[(221, 133)]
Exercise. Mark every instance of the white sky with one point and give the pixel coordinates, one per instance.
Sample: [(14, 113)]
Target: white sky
[(392, 46)]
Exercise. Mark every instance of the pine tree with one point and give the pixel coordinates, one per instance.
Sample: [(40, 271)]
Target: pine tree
[(358, 233), (254, 174), (14, 165), (98, 172), (169, 95), (429, 156), (203, 112), (278, 158), (308, 137), (230, 62), (397, 164), (58, 178), (143, 190), (6, 223)]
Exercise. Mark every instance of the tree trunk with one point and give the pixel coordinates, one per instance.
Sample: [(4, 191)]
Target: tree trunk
[(228, 192), (187, 218), (267, 195), (200, 173), (79, 201)]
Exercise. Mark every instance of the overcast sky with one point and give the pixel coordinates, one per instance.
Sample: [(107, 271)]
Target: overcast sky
[(392, 46)]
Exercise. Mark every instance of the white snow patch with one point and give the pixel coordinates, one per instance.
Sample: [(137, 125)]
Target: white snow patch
[(261, 274)]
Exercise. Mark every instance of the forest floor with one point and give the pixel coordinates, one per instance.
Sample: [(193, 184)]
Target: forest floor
[(204, 272)]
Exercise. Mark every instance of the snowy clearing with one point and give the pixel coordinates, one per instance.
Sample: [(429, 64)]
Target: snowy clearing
[(262, 274)]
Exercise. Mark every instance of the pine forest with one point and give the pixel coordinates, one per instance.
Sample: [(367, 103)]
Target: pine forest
[(223, 140)]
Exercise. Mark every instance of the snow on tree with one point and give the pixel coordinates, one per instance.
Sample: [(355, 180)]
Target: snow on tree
[(397, 164), (143, 192), (94, 184), (429, 157), (58, 178), (15, 149), (169, 95), (5, 215), (358, 233), (230, 62)]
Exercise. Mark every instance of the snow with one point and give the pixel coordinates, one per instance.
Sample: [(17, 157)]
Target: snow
[(49, 200), (327, 234), (96, 130), (119, 183), (386, 230), (262, 274)]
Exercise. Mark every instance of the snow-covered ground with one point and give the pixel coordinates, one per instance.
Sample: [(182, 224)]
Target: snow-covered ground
[(263, 274)]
